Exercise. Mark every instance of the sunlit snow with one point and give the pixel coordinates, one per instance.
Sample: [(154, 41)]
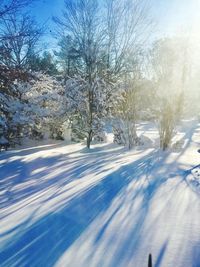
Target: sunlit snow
[(64, 206)]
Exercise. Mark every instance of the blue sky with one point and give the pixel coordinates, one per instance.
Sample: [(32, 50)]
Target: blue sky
[(171, 16), (43, 10)]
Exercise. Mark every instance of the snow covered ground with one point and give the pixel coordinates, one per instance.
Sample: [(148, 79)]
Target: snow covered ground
[(61, 205)]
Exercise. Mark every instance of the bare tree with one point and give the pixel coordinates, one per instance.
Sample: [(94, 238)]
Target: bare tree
[(19, 36), (128, 25), (11, 6), (105, 35), (81, 21), (168, 55), (126, 112)]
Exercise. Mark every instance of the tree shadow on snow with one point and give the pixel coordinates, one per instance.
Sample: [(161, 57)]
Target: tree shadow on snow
[(43, 242), (21, 178)]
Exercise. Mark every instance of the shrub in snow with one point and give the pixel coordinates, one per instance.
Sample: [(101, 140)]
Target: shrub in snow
[(100, 137), (130, 102), (118, 137), (146, 141), (12, 106), (168, 117), (178, 145), (3, 124), (126, 112), (169, 84), (193, 179), (42, 106), (3, 140), (31, 104), (4, 143)]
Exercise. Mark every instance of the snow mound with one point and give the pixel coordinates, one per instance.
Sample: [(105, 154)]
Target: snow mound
[(3, 140), (193, 179), (178, 145), (146, 141)]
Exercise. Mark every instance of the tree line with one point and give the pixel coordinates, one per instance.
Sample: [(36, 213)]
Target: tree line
[(105, 70)]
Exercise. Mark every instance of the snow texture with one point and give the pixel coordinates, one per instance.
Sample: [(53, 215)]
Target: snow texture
[(62, 205)]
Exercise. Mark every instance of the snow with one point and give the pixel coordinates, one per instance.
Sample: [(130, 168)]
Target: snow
[(62, 205), (193, 179), (3, 140)]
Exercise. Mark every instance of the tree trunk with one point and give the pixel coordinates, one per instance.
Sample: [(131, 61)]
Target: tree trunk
[(89, 139)]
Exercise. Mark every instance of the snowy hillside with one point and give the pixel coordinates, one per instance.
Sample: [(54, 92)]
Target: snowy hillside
[(62, 205)]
